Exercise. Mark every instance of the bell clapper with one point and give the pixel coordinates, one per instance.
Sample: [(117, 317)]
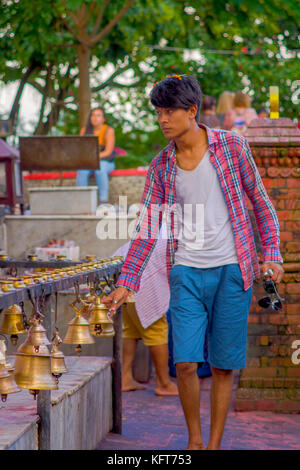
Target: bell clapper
[(34, 393), (78, 349), (14, 339)]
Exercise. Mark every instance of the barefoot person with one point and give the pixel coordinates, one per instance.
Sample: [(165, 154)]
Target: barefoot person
[(201, 180), (144, 317)]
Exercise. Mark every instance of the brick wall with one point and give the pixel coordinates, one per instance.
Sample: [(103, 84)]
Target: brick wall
[(271, 381)]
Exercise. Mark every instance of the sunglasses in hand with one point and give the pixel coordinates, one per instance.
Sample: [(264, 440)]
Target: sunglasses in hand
[(273, 299)]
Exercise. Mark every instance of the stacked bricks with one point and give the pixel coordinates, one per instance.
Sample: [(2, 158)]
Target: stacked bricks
[(271, 379)]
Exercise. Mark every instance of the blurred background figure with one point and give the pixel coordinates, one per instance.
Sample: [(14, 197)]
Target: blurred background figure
[(96, 125), (208, 113), (225, 103), (238, 118), (144, 317), (262, 113)]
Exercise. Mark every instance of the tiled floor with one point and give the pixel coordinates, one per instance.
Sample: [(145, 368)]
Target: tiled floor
[(152, 422)]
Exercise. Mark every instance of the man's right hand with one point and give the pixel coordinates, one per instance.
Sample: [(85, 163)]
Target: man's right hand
[(115, 299)]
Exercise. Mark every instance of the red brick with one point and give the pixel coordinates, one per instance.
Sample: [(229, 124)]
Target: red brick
[(277, 319), (288, 194), (294, 319), (264, 361), (270, 183), (293, 309), (293, 226), (293, 183), (285, 215), (253, 318), (244, 405), (293, 288), (253, 362), (293, 247), (266, 405), (292, 204), (286, 236), (288, 406), (264, 340), (295, 215), (293, 371)]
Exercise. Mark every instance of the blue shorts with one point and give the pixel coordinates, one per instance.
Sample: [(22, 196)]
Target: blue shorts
[(211, 299)]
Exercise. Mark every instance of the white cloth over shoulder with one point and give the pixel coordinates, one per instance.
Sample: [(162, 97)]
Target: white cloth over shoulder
[(152, 299)]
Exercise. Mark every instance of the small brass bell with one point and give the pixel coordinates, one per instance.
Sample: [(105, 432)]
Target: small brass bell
[(7, 383), (37, 335), (13, 323), (100, 324), (33, 363), (78, 331), (58, 366)]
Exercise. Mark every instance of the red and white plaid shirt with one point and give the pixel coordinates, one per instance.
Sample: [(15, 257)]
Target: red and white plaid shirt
[(238, 175)]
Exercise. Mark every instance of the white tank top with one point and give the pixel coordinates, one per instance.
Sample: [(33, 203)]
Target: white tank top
[(205, 234)]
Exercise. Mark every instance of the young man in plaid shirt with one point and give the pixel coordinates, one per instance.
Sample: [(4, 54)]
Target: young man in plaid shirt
[(200, 181)]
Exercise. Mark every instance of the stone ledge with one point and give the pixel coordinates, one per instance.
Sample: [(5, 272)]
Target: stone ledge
[(19, 418), (69, 384)]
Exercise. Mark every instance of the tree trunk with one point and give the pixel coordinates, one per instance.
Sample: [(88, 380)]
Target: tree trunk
[(15, 107), (84, 86)]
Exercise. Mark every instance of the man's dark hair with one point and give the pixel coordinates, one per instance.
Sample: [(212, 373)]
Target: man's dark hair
[(178, 92)]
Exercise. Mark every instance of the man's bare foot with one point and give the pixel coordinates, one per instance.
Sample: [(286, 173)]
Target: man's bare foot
[(169, 390), (195, 446), (132, 385)]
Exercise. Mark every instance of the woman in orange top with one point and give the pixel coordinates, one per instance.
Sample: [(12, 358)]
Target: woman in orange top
[(106, 136)]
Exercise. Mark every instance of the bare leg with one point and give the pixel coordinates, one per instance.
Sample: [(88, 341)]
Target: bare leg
[(189, 392), (128, 382), (160, 356), (220, 397)]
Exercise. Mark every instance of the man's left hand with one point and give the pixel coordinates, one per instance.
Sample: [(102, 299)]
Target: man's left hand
[(277, 269)]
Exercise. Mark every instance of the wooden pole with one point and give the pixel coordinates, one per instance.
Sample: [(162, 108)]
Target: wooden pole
[(44, 396), (117, 373)]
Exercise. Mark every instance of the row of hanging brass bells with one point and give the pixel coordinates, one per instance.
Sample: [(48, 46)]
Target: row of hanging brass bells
[(35, 367), (81, 330)]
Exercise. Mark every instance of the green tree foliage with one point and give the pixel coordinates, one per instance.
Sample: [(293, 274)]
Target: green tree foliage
[(226, 45)]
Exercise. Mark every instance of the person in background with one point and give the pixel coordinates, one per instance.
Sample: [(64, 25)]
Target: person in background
[(96, 125), (262, 113), (208, 114), (144, 317), (238, 118), (225, 102)]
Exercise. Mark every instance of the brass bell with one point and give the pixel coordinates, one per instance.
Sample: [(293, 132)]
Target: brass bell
[(13, 323), (58, 365), (100, 324), (33, 362), (7, 383), (78, 330), (37, 335)]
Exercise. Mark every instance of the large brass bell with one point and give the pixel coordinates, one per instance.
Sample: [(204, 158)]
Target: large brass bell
[(78, 330), (100, 324), (58, 366), (7, 383), (33, 362), (13, 323)]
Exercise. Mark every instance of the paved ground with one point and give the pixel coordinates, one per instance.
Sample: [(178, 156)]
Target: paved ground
[(153, 423)]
